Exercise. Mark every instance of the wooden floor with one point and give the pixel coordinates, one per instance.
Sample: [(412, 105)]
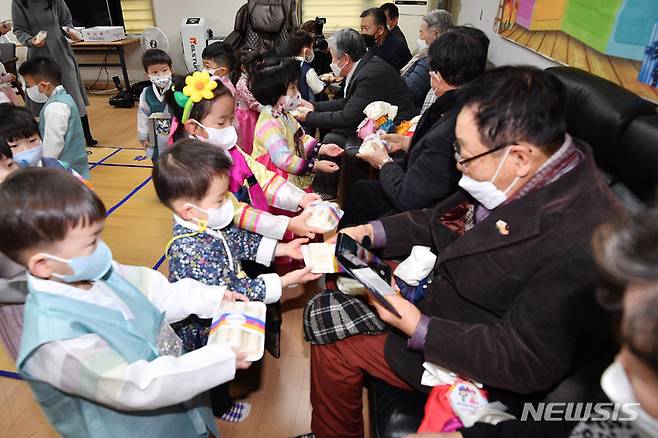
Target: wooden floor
[(137, 230), (566, 50)]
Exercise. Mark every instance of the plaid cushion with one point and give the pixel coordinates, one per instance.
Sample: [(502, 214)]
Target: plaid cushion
[(331, 316)]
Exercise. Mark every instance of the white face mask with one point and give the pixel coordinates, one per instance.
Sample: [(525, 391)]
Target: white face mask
[(421, 44), (310, 57), (161, 81), (291, 103), (35, 95), (336, 69), (486, 192), (224, 138), (617, 387), (218, 218)]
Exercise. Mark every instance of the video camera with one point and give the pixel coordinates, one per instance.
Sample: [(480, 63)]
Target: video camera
[(320, 41)]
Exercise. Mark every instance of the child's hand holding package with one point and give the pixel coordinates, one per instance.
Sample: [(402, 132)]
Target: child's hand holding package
[(299, 276), (323, 215), (321, 257), (292, 249), (241, 325)]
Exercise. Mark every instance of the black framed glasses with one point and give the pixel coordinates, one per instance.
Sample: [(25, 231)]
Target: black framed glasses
[(462, 162)]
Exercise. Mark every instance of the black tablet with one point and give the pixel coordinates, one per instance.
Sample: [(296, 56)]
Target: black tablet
[(366, 268)]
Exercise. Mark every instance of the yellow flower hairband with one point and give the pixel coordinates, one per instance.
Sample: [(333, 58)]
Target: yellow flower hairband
[(198, 86)]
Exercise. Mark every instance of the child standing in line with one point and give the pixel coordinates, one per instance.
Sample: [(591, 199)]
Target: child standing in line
[(309, 84), (247, 108), (255, 190), (220, 60), (97, 348), (192, 179), (22, 141), (59, 120), (157, 67), (280, 142)]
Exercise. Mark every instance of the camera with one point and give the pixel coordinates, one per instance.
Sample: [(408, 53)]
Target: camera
[(320, 41)]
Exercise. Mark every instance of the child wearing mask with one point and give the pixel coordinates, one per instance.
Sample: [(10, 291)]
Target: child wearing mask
[(59, 120), (255, 190), (97, 347), (247, 108), (192, 179), (309, 84), (157, 68), (22, 141), (280, 142), (219, 59)]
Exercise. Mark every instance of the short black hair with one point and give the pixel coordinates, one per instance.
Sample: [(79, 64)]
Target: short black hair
[(155, 57), (199, 110), (518, 104), (298, 41), (460, 55), (391, 10), (17, 123), (42, 69), (46, 203), (224, 55), (5, 150), (377, 15), (187, 170), (272, 79)]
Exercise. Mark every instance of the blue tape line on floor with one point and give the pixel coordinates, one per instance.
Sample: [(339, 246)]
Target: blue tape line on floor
[(124, 165), (101, 161), (160, 262), (10, 375), (128, 196)]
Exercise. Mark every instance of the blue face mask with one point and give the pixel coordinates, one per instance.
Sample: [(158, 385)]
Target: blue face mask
[(29, 157), (87, 268)]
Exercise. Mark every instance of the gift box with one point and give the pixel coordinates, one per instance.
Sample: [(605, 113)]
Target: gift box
[(241, 325)]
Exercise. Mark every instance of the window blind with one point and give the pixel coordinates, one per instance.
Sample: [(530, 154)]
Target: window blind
[(339, 13), (137, 15)]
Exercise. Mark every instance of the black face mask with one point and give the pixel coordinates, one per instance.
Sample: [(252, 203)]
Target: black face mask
[(369, 39)]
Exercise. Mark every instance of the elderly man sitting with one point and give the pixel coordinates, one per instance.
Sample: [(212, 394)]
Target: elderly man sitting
[(427, 174), (512, 299), (367, 79)]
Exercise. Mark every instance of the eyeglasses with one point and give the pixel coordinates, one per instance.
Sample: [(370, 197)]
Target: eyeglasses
[(462, 162)]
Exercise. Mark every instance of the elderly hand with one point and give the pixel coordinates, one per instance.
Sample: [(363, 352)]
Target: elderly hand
[(396, 142), (410, 315), (302, 112), (376, 157), (306, 104), (357, 233), (331, 150), (38, 44)]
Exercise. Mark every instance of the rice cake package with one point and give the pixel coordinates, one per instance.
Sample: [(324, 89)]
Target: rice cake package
[(241, 325)]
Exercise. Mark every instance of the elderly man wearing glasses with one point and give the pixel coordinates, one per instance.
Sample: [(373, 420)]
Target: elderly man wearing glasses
[(512, 299)]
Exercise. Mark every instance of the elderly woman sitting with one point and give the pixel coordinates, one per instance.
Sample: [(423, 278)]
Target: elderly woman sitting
[(416, 74)]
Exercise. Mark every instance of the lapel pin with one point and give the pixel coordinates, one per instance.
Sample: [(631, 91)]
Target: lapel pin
[(503, 228)]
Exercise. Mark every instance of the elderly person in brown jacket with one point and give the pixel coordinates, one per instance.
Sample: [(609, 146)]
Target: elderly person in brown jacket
[(512, 299)]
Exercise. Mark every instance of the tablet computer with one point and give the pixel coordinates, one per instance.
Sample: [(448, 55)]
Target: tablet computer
[(366, 268)]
